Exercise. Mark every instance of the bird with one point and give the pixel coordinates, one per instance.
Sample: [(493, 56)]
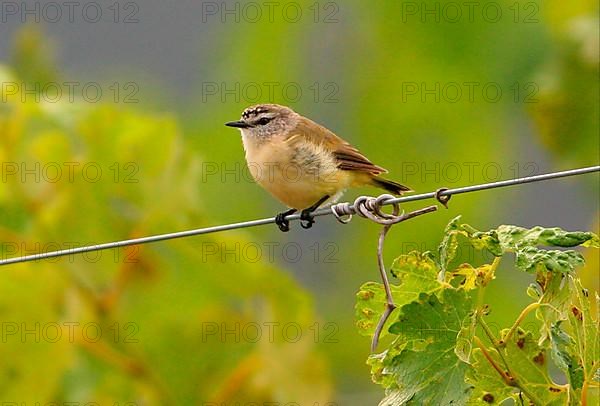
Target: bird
[(301, 163)]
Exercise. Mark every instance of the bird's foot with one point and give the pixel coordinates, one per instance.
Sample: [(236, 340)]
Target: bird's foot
[(306, 218), (443, 199), (282, 222)]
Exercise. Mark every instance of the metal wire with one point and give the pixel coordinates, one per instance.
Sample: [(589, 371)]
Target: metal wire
[(320, 212)]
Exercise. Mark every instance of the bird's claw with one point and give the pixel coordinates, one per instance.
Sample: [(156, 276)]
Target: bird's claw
[(308, 219), (443, 199), (282, 222)]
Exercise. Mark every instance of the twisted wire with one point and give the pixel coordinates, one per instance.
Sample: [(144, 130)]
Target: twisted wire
[(320, 212)]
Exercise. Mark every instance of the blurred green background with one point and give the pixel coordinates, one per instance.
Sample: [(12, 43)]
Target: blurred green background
[(499, 90)]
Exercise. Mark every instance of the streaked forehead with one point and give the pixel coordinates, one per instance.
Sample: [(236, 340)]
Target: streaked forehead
[(254, 111)]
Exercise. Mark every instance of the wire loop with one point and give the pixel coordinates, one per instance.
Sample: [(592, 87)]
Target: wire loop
[(368, 207), (371, 208)]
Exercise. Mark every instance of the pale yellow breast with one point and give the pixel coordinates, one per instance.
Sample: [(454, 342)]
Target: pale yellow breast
[(297, 175)]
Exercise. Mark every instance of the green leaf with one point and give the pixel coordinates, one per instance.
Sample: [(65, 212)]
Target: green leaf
[(488, 386), (425, 368), (512, 237), (417, 273), (448, 246), (531, 259), (527, 364), (479, 240), (523, 242), (464, 340), (370, 303), (555, 302), (382, 363), (564, 355), (586, 335)]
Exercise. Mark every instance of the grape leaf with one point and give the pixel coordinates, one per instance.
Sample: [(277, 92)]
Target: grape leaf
[(586, 336), (473, 277), (417, 274), (464, 339), (448, 246), (425, 367), (531, 259), (555, 299), (522, 241), (564, 355), (530, 364), (479, 240), (526, 364), (512, 237), (370, 302), (381, 364), (488, 386)]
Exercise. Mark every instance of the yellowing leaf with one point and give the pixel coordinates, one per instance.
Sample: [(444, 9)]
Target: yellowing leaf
[(473, 277)]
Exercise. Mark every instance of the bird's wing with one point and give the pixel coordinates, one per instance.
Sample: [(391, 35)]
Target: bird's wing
[(346, 156)]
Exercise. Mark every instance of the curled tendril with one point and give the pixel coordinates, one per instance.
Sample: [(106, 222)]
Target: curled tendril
[(371, 208)]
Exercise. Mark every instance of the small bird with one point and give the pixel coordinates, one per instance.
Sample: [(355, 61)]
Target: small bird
[(302, 163)]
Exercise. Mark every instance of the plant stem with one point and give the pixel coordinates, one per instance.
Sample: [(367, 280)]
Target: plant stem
[(487, 330), (522, 316), (524, 313), (506, 377), (509, 377)]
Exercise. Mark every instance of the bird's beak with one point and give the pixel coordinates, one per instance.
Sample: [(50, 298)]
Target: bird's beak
[(237, 124)]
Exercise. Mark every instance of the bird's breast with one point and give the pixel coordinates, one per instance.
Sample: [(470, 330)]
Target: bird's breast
[(298, 175)]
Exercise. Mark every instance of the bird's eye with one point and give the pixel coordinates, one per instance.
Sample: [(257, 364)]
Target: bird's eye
[(264, 120)]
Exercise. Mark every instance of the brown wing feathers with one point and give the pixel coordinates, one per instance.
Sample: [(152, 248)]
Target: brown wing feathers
[(352, 160), (348, 157)]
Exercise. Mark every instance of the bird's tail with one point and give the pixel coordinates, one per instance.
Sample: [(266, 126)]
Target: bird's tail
[(390, 186)]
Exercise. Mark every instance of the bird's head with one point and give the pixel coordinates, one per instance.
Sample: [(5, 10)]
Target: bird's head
[(263, 121)]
